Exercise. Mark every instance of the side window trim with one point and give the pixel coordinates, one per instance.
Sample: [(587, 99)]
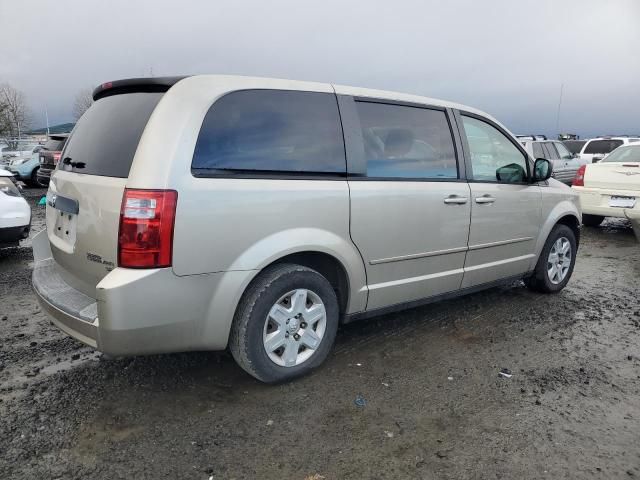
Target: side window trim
[(352, 135), (354, 142), (465, 146)]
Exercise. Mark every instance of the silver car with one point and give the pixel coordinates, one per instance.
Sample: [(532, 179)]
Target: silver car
[(213, 212)]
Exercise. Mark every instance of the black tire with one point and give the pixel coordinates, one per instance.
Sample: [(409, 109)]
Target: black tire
[(540, 281), (592, 220), (246, 336), (35, 182)]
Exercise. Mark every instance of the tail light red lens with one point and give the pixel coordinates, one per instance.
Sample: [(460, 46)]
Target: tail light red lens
[(578, 181), (145, 237), (56, 157)]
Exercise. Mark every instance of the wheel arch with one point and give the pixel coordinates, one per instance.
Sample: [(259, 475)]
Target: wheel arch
[(565, 213), (573, 223), (326, 265)]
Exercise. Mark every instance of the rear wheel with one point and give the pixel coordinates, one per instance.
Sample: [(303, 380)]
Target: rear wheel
[(592, 220), (285, 323), (556, 262)]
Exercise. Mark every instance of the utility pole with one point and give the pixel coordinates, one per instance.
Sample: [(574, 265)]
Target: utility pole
[(558, 115), (46, 116)]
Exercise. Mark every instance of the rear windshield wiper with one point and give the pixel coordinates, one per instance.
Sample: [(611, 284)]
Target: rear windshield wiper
[(68, 161)]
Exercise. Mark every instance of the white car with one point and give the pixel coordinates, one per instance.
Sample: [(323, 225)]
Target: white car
[(15, 214), (611, 188), (597, 148)]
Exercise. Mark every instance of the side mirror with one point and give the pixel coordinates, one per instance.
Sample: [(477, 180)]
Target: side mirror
[(542, 170)]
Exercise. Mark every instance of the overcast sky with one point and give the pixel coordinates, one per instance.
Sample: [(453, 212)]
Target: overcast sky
[(506, 57)]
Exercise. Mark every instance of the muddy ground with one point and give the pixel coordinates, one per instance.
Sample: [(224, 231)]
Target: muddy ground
[(435, 405)]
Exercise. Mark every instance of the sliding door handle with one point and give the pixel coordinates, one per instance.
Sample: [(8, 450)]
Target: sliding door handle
[(486, 198), (455, 200)]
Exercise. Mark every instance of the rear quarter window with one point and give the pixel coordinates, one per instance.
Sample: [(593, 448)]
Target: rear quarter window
[(274, 131), (106, 137)]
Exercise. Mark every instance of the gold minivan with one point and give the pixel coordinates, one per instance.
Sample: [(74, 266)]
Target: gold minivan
[(212, 212)]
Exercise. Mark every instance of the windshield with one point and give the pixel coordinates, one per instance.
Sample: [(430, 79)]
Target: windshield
[(624, 154)]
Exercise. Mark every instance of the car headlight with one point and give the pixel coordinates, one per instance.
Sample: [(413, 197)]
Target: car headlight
[(8, 187), (19, 161)]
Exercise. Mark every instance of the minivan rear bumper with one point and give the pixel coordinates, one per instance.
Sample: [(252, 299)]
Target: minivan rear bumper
[(139, 312), (72, 311)]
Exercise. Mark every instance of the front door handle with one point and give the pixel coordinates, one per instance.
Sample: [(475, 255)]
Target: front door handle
[(486, 198), (455, 200)]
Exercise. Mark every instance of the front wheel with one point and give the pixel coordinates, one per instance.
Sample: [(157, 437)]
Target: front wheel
[(285, 324), (592, 220), (556, 262), (35, 181)]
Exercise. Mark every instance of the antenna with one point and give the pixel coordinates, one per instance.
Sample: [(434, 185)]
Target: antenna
[(559, 105)]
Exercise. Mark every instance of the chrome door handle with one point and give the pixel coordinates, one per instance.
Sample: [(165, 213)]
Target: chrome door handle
[(455, 200), (485, 199)]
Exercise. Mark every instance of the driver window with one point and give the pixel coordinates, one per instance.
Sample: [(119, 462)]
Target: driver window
[(406, 142), (493, 156)]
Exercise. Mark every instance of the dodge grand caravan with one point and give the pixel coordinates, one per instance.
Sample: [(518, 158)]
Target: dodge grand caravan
[(213, 212)]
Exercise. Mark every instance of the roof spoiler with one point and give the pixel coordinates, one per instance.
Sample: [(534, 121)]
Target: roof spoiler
[(131, 85)]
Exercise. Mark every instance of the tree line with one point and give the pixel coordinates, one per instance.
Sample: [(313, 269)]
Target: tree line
[(15, 116)]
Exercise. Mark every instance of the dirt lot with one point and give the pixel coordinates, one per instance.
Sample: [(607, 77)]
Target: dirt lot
[(435, 405)]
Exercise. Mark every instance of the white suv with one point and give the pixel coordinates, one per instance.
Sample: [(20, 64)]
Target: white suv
[(597, 148)]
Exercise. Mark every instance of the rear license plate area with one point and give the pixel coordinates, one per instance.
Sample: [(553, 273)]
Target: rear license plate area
[(65, 227), (65, 212), (622, 202)]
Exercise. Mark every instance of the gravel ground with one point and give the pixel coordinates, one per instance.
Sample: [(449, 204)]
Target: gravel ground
[(434, 404)]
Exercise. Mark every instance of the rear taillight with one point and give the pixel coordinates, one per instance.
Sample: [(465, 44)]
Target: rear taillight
[(145, 236), (56, 158), (578, 181)]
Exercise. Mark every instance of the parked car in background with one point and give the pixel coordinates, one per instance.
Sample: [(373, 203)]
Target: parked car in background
[(26, 167), (597, 148), (611, 188), (574, 146), (568, 136), (50, 156), (15, 214), (211, 211), (18, 149), (565, 163)]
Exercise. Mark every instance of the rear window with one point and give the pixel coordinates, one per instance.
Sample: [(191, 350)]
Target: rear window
[(106, 137), (273, 131), (602, 146), (54, 145), (629, 154)]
